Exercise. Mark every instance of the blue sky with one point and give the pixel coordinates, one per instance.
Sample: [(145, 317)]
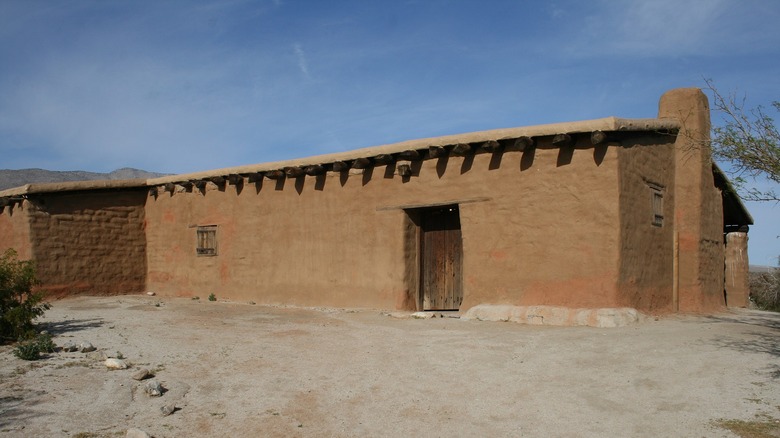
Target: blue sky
[(182, 86)]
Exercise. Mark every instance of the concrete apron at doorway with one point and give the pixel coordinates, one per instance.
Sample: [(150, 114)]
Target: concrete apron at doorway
[(556, 316), (538, 315), (428, 314)]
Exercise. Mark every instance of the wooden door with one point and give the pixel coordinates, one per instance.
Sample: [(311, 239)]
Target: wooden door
[(441, 267)]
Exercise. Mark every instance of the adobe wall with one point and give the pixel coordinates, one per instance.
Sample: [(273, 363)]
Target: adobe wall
[(89, 242), (647, 249), (698, 204), (737, 269), (538, 227), (15, 229)]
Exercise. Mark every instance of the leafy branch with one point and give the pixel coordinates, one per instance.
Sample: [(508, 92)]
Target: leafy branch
[(749, 141)]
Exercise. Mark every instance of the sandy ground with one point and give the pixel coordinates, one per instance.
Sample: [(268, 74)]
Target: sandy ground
[(235, 369)]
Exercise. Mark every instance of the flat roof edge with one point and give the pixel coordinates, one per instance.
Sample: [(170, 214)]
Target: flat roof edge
[(73, 186), (607, 124)]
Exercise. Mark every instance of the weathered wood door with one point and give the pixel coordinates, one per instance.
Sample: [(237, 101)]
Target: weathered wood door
[(441, 261)]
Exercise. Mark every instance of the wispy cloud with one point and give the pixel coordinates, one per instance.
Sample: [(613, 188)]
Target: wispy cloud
[(639, 28), (302, 64)]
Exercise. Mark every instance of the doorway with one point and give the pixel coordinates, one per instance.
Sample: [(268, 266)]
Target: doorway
[(441, 258)]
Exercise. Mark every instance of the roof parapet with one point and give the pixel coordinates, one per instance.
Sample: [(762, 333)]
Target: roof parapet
[(407, 150)]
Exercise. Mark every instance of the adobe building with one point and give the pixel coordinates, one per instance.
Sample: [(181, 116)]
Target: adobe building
[(602, 214)]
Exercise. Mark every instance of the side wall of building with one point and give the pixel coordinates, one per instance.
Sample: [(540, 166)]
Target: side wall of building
[(647, 200), (538, 227), (15, 229), (737, 272), (698, 204), (89, 242)]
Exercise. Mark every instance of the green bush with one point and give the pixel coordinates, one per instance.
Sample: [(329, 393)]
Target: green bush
[(212, 297), (19, 305), (31, 349)]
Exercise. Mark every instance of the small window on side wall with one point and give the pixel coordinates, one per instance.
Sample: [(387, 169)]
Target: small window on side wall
[(207, 240), (657, 194)]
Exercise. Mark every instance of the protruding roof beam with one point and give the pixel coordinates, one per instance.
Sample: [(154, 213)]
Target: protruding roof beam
[(461, 149), (293, 172), (340, 166), (274, 174), (384, 159), (563, 140), (361, 163), (597, 137), (404, 170), (523, 143), (491, 146), (255, 177), (437, 151), (411, 154), (313, 170)]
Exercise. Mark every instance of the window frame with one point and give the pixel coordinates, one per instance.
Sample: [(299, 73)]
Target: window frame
[(657, 204), (206, 241)]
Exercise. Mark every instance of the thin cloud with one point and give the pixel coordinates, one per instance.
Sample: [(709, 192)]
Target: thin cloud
[(302, 64), (672, 28)]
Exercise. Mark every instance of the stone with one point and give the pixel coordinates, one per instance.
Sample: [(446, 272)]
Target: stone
[(136, 433), (423, 315), (151, 294), (153, 388), (115, 364), (142, 374), (86, 347), (97, 355), (70, 347), (167, 410)]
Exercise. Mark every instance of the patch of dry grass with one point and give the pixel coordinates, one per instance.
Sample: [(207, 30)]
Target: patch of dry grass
[(762, 427)]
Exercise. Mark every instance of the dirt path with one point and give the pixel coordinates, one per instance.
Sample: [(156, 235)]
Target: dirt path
[(242, 370)]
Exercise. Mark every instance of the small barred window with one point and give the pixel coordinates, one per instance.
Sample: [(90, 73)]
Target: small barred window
[(207, 240), (658, 205)]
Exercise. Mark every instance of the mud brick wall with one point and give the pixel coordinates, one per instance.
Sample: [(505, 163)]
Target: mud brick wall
[(15, 229), (538, 228), (89, 243)]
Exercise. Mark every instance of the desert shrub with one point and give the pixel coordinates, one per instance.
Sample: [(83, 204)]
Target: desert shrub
[(212, 297), (31, 349), (765, 289), (19, 305)]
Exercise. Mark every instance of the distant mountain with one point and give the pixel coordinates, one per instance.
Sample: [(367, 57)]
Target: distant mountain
[(15, 178)]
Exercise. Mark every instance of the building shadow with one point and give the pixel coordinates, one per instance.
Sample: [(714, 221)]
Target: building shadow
[(527, 160), (599, 152), (319, 182), (368, 172), (495, 160), (468, 162), (441, 165), (565, 155)]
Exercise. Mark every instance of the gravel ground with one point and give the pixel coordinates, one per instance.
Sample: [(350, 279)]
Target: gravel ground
[(236, 369)]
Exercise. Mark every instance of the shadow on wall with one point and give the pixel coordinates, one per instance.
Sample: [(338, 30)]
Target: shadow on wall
[(391, 166), (443, 164)]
